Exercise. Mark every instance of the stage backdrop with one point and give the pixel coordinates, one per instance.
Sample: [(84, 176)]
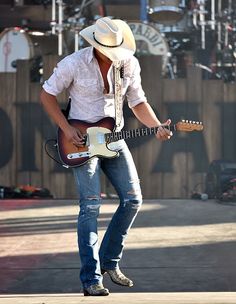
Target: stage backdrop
[(171, 169)]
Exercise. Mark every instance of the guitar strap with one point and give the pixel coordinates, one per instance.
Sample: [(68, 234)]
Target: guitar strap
[(118, 76)]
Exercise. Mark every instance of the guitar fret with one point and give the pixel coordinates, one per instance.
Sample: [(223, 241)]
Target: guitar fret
[(123, 134), (138, 132), (127, 134), (110, 137)]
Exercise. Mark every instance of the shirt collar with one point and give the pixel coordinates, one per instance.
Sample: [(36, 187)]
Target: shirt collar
[(90, 54)]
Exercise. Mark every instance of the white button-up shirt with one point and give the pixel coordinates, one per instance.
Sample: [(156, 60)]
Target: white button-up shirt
[(80, 74)]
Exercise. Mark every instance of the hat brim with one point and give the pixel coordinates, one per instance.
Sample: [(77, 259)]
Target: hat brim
[(122, 52)]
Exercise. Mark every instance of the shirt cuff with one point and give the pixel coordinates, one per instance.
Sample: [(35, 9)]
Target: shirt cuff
[(134, 103), (49, 89)]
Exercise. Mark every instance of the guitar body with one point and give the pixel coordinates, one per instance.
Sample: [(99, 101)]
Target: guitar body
[(96, 144)]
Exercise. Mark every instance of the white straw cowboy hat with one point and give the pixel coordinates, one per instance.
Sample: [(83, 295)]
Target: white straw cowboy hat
[(112, 37)]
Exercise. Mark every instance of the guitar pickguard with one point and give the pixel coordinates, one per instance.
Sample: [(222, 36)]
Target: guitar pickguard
[(97, 145)]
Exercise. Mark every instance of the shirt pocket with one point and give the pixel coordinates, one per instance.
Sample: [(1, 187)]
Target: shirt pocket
[(87, 87)]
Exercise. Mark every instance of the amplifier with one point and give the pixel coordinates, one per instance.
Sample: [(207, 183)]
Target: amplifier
[(219, 177)]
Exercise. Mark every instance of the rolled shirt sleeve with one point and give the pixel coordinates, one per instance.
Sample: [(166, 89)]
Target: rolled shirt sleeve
[(135, 93), (60, 79)]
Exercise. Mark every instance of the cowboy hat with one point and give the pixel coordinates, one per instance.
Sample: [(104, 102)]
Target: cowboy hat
[(112, 37)]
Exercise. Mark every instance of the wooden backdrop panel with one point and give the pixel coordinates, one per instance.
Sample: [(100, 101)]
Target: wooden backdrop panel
[(228, 122), (147, 148), (55, 177), (194, 162), (170, 169), (213, 97), (8, 127), (23, 121), (173, 159)]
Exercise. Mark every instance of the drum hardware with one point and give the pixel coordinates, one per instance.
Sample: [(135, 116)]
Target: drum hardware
[(226, 57), (75, 25), (165, 11), (201, 66), (143, 10), (171, 70), (53, 22), (214, 18), (202, 22), (59, 23), (225, 64), (60, 26), (200, 19), (213, 15), (180, 28), (19, 44)]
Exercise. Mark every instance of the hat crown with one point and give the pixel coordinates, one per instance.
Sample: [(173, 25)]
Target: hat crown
[(107, 33), (112, 37)]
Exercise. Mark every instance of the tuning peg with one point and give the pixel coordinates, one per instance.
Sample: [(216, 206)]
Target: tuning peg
[(194, 122), (183, 120)]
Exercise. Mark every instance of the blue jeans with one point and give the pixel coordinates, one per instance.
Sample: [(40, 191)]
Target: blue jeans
[(122, 174)]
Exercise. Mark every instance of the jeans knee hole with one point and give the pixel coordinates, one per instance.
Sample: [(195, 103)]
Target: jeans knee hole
[(133, 203)]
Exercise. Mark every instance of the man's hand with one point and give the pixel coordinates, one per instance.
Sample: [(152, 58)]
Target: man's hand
[(74, 136), (163, 133)]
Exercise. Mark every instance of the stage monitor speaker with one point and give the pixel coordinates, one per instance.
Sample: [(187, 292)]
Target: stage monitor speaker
[(218, 177)]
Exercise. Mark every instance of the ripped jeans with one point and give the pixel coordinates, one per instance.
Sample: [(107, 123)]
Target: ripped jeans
[(122, 174)]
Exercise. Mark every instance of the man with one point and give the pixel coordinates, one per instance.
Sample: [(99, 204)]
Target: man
[(89, 76)]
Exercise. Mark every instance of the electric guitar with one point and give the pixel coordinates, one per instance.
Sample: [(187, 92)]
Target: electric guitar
[(98, 135)]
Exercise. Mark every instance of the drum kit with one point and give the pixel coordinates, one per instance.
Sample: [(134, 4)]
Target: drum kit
[(193, 32), (198, 32), (21, 43)]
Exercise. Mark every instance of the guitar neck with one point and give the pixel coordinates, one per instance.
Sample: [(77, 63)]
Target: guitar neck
[(125, 134)]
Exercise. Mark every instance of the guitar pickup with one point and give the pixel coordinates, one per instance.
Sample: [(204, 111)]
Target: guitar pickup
[(100, 138), (85, 140), (78, 155)]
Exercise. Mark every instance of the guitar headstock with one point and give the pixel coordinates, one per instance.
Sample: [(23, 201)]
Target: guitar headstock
[(189, 126)]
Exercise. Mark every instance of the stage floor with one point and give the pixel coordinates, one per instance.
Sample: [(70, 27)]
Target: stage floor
[(124, 298), (178, 251)]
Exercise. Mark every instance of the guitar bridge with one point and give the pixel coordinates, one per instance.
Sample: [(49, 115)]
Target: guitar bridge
[(78, 155)]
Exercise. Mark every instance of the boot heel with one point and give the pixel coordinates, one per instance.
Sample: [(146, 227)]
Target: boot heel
[(96, 290), (86, 294)]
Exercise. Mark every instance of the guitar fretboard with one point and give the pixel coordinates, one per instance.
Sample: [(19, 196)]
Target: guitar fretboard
[(125, 134)]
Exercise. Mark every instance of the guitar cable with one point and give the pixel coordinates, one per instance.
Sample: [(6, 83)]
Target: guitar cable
[(50, 155)]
